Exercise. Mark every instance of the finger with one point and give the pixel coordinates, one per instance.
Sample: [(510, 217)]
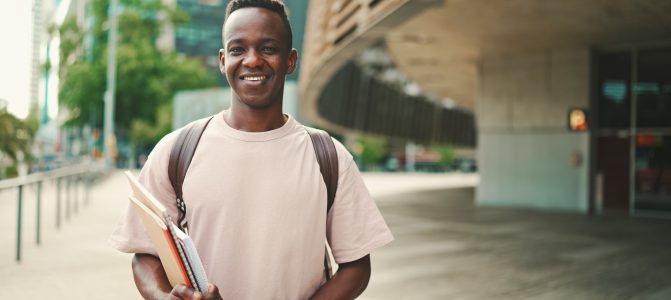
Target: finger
[(212, 292), (185, 292)]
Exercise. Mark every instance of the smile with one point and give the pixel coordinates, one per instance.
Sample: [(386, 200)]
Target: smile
[(254, 78)]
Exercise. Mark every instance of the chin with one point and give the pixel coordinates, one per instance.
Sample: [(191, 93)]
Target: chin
[(256, 103)]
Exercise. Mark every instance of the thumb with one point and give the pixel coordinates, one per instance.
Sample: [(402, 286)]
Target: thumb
[(184, 292), (212, 290)]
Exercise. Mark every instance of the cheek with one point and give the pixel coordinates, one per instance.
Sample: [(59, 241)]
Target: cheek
[(279, 65), (230, 66)]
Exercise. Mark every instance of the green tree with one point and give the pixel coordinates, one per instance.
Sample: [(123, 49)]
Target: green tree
[(147, 78), (16, 137)]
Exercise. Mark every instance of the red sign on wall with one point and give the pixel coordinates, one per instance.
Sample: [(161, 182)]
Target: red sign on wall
[(577, 119)]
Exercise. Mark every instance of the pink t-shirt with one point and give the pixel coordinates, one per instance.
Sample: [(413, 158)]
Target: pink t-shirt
[(256, 207)]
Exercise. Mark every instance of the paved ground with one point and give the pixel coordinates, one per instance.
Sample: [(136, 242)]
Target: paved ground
[(444, 248), (447, 249)]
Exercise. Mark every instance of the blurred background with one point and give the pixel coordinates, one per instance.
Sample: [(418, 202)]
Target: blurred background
[(518, 149)]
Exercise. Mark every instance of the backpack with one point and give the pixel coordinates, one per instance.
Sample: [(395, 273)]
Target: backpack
[(185, 146)]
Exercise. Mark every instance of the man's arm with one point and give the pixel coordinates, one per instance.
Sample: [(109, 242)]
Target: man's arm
[(152, 282), (150, 278), (349, 281)]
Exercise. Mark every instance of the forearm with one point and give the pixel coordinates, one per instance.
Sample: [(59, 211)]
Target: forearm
[(348, 283), (150, 278)]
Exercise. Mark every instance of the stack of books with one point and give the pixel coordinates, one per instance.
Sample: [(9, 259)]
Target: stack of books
[(174, 247)]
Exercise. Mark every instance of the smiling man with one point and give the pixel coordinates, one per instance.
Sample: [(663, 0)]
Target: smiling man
[(255, 195)]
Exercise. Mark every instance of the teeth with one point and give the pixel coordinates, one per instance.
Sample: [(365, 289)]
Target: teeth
[(254, 78)]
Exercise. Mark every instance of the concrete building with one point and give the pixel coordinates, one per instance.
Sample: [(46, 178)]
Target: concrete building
[(520, 66), (36, 72)]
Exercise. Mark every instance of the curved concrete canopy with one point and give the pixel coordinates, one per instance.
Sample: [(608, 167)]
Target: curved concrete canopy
[(324, 54), (440, 48)]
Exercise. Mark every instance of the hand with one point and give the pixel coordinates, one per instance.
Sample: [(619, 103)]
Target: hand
[(180, 291)]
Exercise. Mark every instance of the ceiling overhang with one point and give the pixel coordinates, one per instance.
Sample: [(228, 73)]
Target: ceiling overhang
[(441, 48)]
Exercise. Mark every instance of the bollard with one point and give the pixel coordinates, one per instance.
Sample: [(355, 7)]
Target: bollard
[(18, 224), (58, 203), (38, 213)]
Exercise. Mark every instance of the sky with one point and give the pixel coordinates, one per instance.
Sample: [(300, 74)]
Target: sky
[(15, 53)]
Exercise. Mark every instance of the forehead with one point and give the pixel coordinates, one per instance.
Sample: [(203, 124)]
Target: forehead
[(252, 23)]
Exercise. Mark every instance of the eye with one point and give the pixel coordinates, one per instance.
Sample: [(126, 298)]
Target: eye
[(235, 50), (269, 49)]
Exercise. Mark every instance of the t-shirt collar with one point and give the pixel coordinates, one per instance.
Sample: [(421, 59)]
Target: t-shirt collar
[(277, 133)]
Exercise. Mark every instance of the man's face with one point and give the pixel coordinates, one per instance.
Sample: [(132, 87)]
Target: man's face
[(256, 58)]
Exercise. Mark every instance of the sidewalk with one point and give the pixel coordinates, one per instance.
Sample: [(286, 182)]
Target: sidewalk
[(74, 262), (444, 248)]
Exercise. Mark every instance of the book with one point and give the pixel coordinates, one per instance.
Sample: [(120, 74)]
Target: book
[(163, 243), (184, 241), (175, 248)]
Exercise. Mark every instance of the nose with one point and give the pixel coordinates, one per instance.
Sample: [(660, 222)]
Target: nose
[(252, 59)]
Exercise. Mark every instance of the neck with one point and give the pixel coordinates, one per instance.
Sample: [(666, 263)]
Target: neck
[(247, 119)]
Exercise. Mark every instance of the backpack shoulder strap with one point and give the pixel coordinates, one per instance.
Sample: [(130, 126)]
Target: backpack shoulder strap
[(327, 157), (180, 158)]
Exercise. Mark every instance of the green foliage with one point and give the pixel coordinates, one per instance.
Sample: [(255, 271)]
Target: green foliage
[(71, 44), (143, 133), (9, 172), (446, 153), (373, 149), (147, 78), (15, 136), (82, 92)]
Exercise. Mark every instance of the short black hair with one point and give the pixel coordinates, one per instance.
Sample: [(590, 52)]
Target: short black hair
[(276, 6)]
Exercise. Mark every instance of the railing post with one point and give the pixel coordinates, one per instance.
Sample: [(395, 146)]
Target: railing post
[(88, 189), (75, 187), (39, 213), (67, 198), (18, 224), (77, 174), (58, 203)]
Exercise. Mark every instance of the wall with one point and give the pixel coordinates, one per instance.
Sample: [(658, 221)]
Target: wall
[(526, 154)]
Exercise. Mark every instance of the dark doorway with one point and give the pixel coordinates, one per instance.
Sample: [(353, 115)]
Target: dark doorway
[(613, 160), (613, 166)]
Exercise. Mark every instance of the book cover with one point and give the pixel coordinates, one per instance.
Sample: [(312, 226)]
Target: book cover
[(163, 243), (192, 258), (182, 254)]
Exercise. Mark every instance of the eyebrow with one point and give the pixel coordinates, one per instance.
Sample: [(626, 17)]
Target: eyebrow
[(242, 40)]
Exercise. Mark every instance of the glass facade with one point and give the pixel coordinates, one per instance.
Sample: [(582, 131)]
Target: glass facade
[(634, 106), (614, 93), (201, 36)]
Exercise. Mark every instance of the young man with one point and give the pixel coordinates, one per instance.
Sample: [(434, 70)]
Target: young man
[(255, 197)]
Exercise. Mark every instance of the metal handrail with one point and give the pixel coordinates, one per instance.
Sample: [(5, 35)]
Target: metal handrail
[(46, 175), (65, 173)]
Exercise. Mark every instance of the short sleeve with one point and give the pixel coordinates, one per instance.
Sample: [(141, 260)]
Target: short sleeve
[(355, 227), (130, 235)]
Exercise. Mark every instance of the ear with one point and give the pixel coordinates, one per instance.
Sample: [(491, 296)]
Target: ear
[(292, 60), (222, 56)]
